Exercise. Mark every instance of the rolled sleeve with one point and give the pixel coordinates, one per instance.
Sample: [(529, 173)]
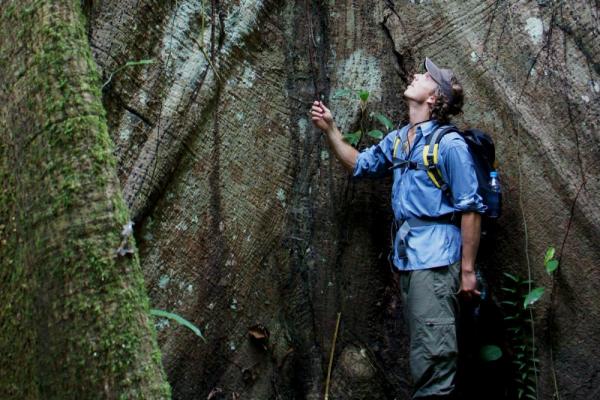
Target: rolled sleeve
[(375, 161), (459, 171)]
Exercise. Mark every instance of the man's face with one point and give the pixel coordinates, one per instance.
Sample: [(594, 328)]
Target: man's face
[(422, 88)]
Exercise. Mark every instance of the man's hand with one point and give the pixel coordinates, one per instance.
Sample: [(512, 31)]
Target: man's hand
[(321, 117), (468, 284)]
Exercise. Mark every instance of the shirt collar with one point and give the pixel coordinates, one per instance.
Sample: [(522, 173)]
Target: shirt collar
[(427, 127)]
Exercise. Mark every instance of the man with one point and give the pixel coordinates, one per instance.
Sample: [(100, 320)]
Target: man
[(434, 256)]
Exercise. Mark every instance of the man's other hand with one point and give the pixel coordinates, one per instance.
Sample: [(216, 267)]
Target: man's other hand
[(321, 117), (468, 284)]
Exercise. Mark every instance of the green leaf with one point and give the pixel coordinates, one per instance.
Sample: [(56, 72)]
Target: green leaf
[(363, 95), (341, 93), (551, 266), (389, 125), (490, 353), (509, 290), (376, 133), (508, 302), (352, 137), (549, 254), (511, 276), (179, 319), (530, 396), (533, 296)]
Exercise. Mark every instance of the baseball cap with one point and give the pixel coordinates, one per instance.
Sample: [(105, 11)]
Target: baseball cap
[(441, 76)]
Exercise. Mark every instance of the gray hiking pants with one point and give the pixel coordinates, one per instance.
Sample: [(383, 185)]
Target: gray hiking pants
[(431, 311)]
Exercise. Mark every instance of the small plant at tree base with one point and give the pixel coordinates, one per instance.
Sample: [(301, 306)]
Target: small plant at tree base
[(518, 303), (363, 96), (520, 335)]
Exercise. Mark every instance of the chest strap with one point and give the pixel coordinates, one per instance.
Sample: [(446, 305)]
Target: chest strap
[(399, 163)]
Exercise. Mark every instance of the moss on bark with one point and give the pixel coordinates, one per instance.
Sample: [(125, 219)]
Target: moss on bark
[(74, 315)]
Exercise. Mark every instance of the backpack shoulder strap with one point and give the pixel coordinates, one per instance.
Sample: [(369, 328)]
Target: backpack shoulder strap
[(431, 159), (396, 143)]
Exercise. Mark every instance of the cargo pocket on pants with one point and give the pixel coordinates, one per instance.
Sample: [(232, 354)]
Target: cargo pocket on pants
[(433, 360), (440, 338)]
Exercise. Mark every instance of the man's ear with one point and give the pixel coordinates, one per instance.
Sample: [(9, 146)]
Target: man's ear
[(431, 100)]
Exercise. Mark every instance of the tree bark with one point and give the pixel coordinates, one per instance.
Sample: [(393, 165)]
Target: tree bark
[(74, 318), (245, 217)]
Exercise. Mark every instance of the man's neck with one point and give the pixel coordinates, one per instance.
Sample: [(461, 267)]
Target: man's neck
[(418, 112)]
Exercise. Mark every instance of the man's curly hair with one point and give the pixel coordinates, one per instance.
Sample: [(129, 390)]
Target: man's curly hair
[(443, 109)]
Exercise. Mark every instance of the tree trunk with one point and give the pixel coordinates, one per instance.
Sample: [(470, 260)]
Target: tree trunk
[(244, 217), (74, 319)]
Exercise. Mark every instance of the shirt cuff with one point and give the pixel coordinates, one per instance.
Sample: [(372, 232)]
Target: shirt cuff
[(471, 203), (358, 170)]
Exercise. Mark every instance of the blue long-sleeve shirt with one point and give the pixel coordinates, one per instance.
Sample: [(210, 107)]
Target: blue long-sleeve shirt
[(415, 195)]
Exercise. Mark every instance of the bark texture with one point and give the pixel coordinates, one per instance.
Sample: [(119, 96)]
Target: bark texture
[(243, 216), (74, 316)]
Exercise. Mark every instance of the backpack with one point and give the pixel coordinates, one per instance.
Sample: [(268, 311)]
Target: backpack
[(482, 150)]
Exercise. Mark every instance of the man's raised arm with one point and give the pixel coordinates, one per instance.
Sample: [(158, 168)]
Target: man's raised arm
[(323, 119)]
